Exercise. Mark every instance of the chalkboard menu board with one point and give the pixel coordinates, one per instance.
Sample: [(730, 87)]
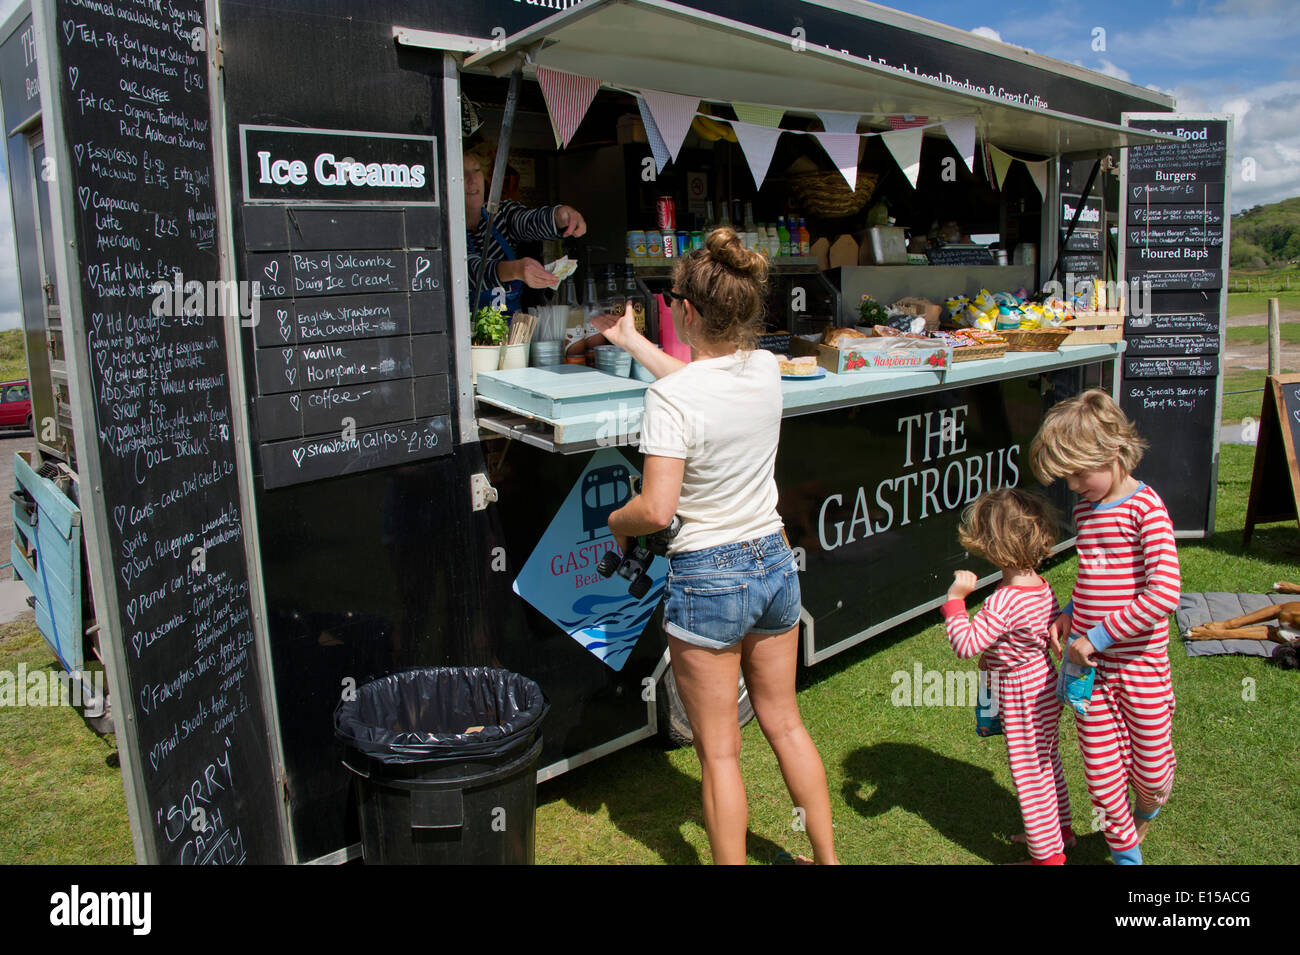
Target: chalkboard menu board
[(350, 367), (134, 149), (1275, 481), (1084, 256), (1174, 252), (960, 255)]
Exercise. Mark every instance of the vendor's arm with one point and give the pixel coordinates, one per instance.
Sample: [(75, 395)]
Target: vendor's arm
[(621, 330), (517, 222), (529, 271), (653, 509), (1158, 597)]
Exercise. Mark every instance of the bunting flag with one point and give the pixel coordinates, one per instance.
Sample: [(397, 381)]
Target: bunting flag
[(843, 150), (905, 146), (652, 133), (906, 121), (836, 122), (672, 114), (761, 115), (1038, 170), (1001, 163), (567, 98), (961, 133), (758, 142)]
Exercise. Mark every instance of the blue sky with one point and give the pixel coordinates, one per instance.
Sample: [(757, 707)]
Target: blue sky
[(1236, 56)]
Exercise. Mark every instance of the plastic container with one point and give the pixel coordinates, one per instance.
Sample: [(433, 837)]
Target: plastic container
[(445, 760)]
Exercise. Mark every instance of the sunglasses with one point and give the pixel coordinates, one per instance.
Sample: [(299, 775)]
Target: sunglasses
[(675, 296)]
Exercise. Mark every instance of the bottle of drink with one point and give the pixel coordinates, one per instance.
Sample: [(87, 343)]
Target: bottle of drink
[(783, 237), (749, 217), (633, 294), (773, 240), (805, 238)]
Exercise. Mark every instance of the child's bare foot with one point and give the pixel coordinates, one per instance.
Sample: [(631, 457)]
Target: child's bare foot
[(1142, 820)]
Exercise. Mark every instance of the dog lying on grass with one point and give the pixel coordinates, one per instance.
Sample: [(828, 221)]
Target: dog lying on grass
[(1279, 624)]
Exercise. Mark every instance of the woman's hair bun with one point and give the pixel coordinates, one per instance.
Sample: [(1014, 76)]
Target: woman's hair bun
[(725, 247)]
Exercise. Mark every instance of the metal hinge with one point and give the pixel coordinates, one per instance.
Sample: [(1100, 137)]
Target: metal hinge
[(482, 493)]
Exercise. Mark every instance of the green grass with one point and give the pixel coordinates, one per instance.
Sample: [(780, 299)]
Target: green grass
[(1258, 334), (13, 358), (917, 785), (61, 798), (907, 785), (1256, 303)]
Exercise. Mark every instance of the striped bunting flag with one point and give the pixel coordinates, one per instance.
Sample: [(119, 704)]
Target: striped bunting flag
[(567, 98), (673, 115), (906, 121), (761, 115), (757, 142), (652, 133)]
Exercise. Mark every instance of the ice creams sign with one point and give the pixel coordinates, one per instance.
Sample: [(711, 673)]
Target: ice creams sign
[(560, 578)]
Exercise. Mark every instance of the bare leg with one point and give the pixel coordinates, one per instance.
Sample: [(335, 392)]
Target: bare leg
[(707, 680), (770, 663)]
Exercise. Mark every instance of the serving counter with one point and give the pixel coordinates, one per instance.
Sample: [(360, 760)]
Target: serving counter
[(873, 470)]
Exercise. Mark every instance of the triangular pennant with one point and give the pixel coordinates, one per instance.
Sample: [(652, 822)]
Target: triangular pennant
[(905, 146), (1038, 170), (567, 97), (843, 150), (838, 122), (762, 115), (652, 133), (672, 114), (961, 133), (757, 143), (1001, 163)]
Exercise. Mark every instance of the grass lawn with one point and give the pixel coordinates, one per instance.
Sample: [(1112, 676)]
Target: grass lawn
[(917, 785), (1258, 334), (907, 784), (1256, 303), (1249, 382), (13, 357)]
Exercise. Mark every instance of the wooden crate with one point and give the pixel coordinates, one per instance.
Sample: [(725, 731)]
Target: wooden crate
[(1095, 328)]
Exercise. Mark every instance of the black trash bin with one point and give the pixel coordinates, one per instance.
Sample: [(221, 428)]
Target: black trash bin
[(445, 759)]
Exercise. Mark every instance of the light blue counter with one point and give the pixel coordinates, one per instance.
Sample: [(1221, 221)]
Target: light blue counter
[(571, 408)]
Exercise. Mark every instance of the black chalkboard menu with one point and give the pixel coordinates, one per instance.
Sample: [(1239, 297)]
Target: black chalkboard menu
[(351, 357), (1174, 253), (1084, 254), (1275, 480), (134, 148)]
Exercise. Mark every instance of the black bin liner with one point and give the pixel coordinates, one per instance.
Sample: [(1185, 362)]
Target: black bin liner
[(427, 791), (420, 715)]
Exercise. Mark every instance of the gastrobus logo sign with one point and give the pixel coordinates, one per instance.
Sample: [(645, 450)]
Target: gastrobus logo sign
[(560, 577), (283, 164)]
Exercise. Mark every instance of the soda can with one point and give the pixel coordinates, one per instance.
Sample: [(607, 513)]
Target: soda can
[(667, 213), (683, 243), (670, 240), (654, 244), (636, 245)]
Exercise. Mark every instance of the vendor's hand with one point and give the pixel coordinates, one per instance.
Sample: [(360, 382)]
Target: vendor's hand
[(1057, 630), (962, 584), (617, 329), (531, 272), (570, 222), (1081, 652)]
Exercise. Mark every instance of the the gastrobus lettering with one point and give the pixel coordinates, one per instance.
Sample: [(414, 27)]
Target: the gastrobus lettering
[(929, 438), (581, 562), (331, 171)]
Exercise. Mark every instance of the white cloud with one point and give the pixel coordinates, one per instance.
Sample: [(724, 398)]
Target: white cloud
[(988, 32), (1110, 69)]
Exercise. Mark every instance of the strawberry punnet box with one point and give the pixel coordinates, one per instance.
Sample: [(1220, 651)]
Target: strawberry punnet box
[(879, 356)]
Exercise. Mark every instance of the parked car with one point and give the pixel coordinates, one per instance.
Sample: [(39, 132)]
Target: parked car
[(16, 405)]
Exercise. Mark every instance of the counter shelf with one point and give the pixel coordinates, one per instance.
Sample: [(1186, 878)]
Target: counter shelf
[(570, 409)]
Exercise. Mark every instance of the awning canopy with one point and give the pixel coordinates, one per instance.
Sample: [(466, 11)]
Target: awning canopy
[(658, 45)]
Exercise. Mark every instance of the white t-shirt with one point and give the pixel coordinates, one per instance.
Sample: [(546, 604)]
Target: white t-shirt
[(723, 417)]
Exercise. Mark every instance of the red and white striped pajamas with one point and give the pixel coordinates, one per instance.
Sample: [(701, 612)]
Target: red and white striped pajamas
[(1128, 585), (1011, 632)]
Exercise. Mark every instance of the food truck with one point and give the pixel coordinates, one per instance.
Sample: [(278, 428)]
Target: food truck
[(290, 487)]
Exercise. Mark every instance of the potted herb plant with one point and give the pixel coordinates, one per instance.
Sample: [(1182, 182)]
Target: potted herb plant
[(490, 330)]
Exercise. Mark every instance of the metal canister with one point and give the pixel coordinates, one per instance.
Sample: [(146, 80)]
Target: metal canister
[(667, 212), (670, 243), (654, 244), (636, 245), (683, 243)]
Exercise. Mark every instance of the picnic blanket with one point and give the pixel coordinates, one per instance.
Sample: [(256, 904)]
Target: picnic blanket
[(1196, 609)]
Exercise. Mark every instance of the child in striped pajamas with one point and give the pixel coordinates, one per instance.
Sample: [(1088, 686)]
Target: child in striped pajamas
[(1015, 530), (1128, 585)]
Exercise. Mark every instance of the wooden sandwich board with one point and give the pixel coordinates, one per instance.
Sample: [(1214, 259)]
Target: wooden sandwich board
[(1273, 497)]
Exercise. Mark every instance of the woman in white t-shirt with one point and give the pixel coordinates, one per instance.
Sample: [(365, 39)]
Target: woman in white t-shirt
[(709, 435)]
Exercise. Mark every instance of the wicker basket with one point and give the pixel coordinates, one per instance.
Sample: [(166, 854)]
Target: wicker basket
[(1037, 339), (973, 352), (826, 195)]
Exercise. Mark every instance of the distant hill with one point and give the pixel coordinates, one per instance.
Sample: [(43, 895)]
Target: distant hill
[(13, 358), (1267, 236)]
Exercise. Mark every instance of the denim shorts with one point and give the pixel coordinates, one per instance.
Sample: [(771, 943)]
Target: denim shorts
[(719, 594)]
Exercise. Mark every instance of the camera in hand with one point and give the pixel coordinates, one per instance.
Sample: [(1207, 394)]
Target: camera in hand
[(633, 565)]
